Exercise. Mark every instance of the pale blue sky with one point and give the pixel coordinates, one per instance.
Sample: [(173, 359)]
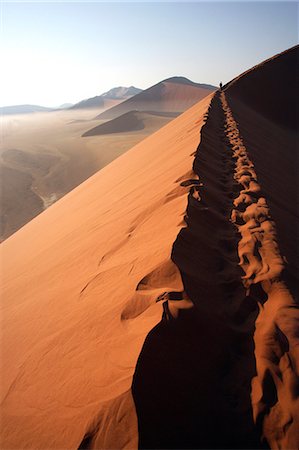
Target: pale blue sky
[(56, 52)]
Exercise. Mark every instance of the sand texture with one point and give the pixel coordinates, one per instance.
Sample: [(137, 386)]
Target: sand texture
[(155, 305), (75, 307)]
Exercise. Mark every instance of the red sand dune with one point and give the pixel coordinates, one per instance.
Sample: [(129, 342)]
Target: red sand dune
[(71, 327), (126, 122), (108, 99), (83, 284), (175, 94)]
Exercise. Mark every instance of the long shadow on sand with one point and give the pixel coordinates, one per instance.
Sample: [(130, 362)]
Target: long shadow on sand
[(192, 382), (183, 395)]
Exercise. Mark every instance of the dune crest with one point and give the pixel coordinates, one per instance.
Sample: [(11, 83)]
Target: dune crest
[(274, 393), (238, 346)]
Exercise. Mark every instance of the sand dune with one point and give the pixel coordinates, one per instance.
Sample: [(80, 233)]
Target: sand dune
[(189, 235), (131, 121), (108, 99), (175, 94), (23, 109), (67, 367)]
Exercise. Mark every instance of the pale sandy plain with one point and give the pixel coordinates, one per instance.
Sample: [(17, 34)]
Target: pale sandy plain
[(194, 208)]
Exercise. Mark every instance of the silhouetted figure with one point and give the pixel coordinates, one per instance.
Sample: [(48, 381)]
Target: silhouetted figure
[(220, 85)]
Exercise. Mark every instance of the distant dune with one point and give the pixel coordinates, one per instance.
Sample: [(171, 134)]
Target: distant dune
[(65, 105), (175, 94), (121, 92), (155, 305), (130, 121), (23, 109), (50, 150), (108, 99)]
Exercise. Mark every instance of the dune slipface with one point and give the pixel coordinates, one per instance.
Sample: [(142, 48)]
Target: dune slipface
[(200, 231), (238, 346)]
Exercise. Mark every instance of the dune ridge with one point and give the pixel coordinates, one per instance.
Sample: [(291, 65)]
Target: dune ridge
[(238, 346), (274, 389), (194, 375)]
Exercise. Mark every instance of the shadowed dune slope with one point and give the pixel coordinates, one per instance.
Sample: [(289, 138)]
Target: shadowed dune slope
[(130, 121), (270, 90), (224, 374), (127, 122), (172, 95), (78, 297), (264, 101)]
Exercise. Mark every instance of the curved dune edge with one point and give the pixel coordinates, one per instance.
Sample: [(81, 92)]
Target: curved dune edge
[(242, 350), (202, 364)]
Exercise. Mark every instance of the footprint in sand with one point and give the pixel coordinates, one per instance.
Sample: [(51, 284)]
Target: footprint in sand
[(163, 279)]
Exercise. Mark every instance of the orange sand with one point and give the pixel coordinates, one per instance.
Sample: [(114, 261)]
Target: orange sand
[(70, 330), (83, 284)]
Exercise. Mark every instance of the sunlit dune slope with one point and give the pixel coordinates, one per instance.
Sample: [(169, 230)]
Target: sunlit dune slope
[(73, 319)]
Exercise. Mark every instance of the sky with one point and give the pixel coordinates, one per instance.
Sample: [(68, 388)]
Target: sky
[(59, 52)]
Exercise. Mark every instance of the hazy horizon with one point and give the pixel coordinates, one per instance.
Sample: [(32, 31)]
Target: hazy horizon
[(56, 53)]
